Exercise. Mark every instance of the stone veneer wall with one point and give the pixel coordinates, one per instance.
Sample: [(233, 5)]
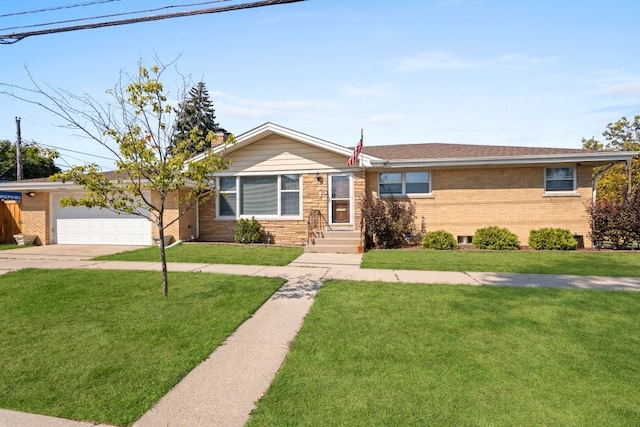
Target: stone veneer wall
[(281, 232), (467, 199)]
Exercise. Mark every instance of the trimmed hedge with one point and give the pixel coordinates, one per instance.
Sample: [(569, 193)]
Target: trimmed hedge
[(439, 240), (495, 238), (552, 239)]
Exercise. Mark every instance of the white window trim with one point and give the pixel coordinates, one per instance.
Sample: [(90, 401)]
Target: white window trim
[(404, 193), (562, 193), (259, 217)]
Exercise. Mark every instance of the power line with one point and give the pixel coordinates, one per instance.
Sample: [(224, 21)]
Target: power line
[(50, 9), (113, 15), (72, 151), (16, 37)]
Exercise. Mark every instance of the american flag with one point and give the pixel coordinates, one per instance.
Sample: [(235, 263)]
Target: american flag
[(356, 151)]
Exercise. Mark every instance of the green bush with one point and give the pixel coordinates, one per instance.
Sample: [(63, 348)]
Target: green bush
[(439, 240), (552, 238), (387, 222), (248, 231), (495, 238)]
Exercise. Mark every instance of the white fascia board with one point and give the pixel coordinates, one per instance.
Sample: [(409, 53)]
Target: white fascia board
[(38, 186), (56, 186), (603, 157)]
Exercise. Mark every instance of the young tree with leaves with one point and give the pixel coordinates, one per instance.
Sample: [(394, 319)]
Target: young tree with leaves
[(622, 135), (151, 164), (195, 112), (37, 162)]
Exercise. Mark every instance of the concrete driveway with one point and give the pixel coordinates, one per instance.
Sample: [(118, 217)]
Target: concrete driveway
[(64, 252)]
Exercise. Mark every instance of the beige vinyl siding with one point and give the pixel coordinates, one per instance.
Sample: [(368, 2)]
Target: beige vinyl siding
[(276, 154)]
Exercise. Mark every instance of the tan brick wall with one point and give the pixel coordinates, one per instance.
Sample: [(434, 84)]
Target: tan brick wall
[(467, 199), (35, 217), (185, 226), (281, 232)]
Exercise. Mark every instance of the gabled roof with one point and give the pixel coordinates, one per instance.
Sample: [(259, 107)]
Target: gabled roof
[(267, 129), (435, 154)]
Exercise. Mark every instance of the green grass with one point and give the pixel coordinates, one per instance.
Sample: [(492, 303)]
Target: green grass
[(7, 246), (379, 354), (213, 254), (622, 264), (105, 346)]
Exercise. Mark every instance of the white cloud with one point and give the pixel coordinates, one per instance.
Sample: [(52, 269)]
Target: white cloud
[(385, 118), (379, 90), (444, 61), (432, 60), (234, 105), (629, 88)]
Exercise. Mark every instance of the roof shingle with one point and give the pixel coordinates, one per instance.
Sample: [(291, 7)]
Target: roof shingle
[(451, 151)]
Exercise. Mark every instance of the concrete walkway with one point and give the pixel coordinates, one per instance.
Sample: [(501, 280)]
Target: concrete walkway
[(223, 389)]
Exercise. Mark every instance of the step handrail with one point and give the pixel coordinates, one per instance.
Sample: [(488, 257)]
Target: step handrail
[(316, 222)]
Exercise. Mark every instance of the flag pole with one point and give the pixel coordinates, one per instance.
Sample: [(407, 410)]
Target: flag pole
[(361, 143)]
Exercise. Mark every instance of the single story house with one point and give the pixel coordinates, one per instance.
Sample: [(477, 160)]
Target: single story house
[(281, 177)]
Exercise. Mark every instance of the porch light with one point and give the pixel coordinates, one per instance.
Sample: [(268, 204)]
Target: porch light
[(31, 194)]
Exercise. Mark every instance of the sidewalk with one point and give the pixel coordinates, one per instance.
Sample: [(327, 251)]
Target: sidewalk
[(223, 389)]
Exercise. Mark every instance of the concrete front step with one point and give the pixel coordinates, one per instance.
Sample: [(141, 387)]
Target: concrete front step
[(335, 241), (334, 249)]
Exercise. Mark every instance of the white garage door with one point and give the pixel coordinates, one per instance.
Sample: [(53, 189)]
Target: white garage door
[(82, 226)]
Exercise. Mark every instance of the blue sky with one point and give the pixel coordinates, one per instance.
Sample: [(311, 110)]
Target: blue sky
[(527, 73)]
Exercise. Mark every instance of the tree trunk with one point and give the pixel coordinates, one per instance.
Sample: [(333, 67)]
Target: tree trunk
[(163, 257)]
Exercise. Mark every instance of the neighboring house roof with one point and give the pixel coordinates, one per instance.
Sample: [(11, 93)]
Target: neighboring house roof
[(45, 184)]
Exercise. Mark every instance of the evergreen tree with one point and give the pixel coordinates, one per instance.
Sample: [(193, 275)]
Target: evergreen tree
[(195, 114)]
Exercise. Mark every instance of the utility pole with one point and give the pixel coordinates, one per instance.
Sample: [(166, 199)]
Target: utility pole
[(18, 151)]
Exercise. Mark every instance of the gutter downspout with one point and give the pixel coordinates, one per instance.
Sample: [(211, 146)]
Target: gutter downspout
[(198, 211)]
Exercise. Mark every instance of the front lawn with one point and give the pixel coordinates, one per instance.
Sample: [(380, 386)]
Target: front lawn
[(213, 254), (105, 346), (8, 246), (622, 264), (380, 354)]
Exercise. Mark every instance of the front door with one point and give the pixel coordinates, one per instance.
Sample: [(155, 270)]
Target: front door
[(340, 206)]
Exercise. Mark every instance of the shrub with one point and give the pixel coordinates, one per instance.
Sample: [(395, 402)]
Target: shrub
[(615, 221), (439, 240), (552, 238), (248, 231), (495, 238), (387, 222)]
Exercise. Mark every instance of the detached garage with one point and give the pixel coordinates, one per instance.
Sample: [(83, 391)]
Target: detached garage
[(83, 226)]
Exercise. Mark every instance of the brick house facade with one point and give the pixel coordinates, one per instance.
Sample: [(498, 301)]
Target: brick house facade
[(279, 176)]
